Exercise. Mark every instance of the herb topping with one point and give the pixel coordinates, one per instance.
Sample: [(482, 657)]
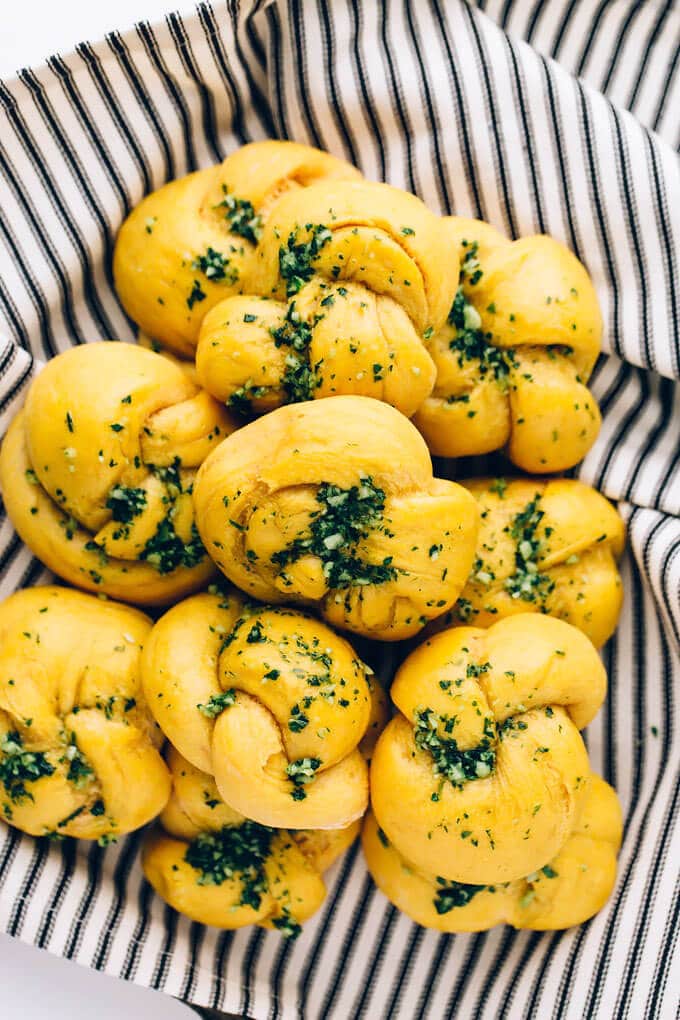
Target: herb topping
[(449, 760), (346, 516), (18, 767)]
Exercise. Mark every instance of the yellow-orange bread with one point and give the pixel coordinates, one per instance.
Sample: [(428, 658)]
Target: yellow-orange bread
[(514, 357), (565, 891), (351, 274), (256, 354), (219, 868), (78, 747), (378, 237), (544, 546), (96, 472), (268, 700), (332, 503), (192, 242), (482, 775)]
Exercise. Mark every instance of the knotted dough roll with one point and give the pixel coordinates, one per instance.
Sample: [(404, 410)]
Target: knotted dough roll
[(269, 701), (481, 777), (514, 357), (544, 546), (78, 746), (332, 503), (97, 471), (192, 242), (219, 868), (350, 276), (567, 890)]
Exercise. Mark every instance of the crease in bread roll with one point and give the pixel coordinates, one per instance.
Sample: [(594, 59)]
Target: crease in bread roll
[(545, 545), (482, 774), (332, 503), (192, 242), (270, 702), (222, 869), (565, 891), (516, 353), (98, 468), (78, 747)]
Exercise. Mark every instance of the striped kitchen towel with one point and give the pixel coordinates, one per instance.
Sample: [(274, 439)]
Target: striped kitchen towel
[(539, 115)]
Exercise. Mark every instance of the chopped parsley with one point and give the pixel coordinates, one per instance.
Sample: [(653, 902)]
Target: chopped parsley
[(80, 772), (255, 634), (454, 894), (297, 257), (241, 216), (287, 925), (241, 399), (469, 267), (166, 551), (346, 516), (217, 703), (456, 765), (527, 583), (238, 852), (215, 267), (197, 294), (18, 767), (299, 379), (301, 773), (125, 504), (472, 344), (298, 720)]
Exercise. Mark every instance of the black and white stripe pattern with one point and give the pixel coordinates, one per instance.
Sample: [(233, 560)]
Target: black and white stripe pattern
[(436, 97)]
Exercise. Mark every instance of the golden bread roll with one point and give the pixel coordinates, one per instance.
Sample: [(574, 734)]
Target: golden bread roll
[(545, 546), (567, 890), (78, 746), (269, 701), (192, 242), (97, 471), (376, 236), (332, 503), (481, 777), (255, 354), (219, 868), (514, 357)]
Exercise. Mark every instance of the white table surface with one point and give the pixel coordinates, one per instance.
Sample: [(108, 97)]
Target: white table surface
[(34, 29), (36, 985)]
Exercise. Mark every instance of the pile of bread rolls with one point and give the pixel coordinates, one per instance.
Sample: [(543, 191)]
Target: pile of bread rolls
[(256, 473)]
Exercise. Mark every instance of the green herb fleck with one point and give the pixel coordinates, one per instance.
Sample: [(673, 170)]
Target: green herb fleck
[(197, 294), (287, 925), (346, 516), (18, 767), (217, 703), (527, 583), (458, 766), (241, 216), (454, 894), (302, 772), (215, 267), (125, 504), (238, 852), (297, 257)]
